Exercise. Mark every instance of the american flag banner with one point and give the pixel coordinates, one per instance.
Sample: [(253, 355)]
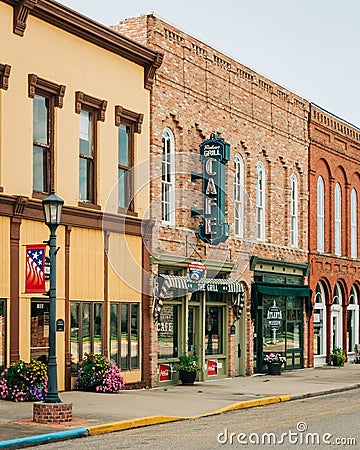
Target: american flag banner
[(35, 262)]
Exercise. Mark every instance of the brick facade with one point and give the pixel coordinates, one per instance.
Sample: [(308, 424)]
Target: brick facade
[(334, 155), (199, 91)]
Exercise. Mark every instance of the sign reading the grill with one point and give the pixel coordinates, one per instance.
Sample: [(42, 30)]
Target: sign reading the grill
[(214, 155)]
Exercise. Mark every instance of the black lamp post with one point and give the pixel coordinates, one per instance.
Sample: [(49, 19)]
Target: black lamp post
[(52, 211)]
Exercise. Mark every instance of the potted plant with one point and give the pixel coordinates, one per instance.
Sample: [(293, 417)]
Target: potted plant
[(337, 357), (188, 366), (274, 362)]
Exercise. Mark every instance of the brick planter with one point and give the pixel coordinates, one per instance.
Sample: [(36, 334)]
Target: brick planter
[(52, 413)]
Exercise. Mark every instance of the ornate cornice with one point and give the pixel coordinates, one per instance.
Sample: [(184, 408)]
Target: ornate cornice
[(5, 70)]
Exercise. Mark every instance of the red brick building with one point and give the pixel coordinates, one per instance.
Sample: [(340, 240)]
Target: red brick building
[(199, 91), (334, 186)]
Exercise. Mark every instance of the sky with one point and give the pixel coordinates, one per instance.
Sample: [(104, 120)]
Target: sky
[(310, 47)]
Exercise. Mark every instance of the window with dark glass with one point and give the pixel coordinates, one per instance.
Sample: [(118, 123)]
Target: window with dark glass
[(168, 332), (125, 335), (129, 123), (87, 156), (46, 96), (213, 330), (39, 341), (42, 151), (86, 330), (124, 166), (91, 110)]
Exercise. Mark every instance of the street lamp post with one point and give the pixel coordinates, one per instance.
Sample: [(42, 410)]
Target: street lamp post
[(52, 211)]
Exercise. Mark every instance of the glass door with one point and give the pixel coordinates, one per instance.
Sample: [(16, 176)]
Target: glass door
[(294, 333)]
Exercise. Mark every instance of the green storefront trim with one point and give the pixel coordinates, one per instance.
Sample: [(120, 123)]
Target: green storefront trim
[(283, 291)]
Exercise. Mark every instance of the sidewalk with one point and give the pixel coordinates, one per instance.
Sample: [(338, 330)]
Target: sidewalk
[(95, 413)]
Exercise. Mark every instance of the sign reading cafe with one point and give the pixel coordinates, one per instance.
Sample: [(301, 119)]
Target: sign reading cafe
[(214, 155)]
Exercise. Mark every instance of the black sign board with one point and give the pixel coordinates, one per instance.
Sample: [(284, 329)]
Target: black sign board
[(60, 325)]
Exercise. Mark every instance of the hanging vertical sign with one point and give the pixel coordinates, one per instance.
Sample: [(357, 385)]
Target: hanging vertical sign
[(214, 155), (35, 263)]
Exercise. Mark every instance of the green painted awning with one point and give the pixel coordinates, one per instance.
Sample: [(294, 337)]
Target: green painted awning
[(283, 291)]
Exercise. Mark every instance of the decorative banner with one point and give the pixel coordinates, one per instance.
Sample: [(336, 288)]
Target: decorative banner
[(211, 367), (35, 263), (164, 372)]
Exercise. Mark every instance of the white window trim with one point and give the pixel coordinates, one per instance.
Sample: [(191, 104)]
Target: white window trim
[(294, 218), (260, 203), (320, 305), (337, 219), (354, 306), (353, 223), (167, 134), (336, 311), (239, 197), (320, 215)]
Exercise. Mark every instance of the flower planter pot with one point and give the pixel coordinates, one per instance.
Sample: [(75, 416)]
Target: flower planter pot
[(274, 368), (187, 378)]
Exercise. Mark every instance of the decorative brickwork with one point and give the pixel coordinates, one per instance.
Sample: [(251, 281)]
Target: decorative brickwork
[(198, 91), (334, 156), (52, 413)]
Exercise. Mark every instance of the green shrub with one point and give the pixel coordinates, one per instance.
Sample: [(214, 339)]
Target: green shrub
[(337, 357)]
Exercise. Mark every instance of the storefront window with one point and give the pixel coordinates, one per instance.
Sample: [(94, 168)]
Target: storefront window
[(39, 341), (2, 335), (168, 332), (213, 330), (274, 329), (318, 331), (124, 335), (86, 330)]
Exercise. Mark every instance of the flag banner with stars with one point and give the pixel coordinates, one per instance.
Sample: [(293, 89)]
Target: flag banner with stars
[(35, 263)]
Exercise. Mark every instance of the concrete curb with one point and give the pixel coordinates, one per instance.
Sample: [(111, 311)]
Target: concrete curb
[(44, 438), (132, 423), (328, 392)]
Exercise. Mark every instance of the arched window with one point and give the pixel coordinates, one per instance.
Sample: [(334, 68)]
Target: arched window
[(168, 179), (293, 211), (336, 318), (260, 202), (353, 214), (239, 197), (337, 219), (320, 214), (352, 326), (319, 326)]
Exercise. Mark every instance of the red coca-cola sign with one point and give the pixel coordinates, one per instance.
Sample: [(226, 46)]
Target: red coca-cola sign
[(211, 367), (164, 372)]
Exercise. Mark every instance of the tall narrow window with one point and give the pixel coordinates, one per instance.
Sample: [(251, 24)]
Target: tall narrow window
[(293, 211), (260, 202), (337, 219), (167, 181), (87, 156), (86, 335), (239, 196), (353, 214), (124, 165), (46, 96), (124, 335), (91, 110), (320, 215), (129, 123)]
